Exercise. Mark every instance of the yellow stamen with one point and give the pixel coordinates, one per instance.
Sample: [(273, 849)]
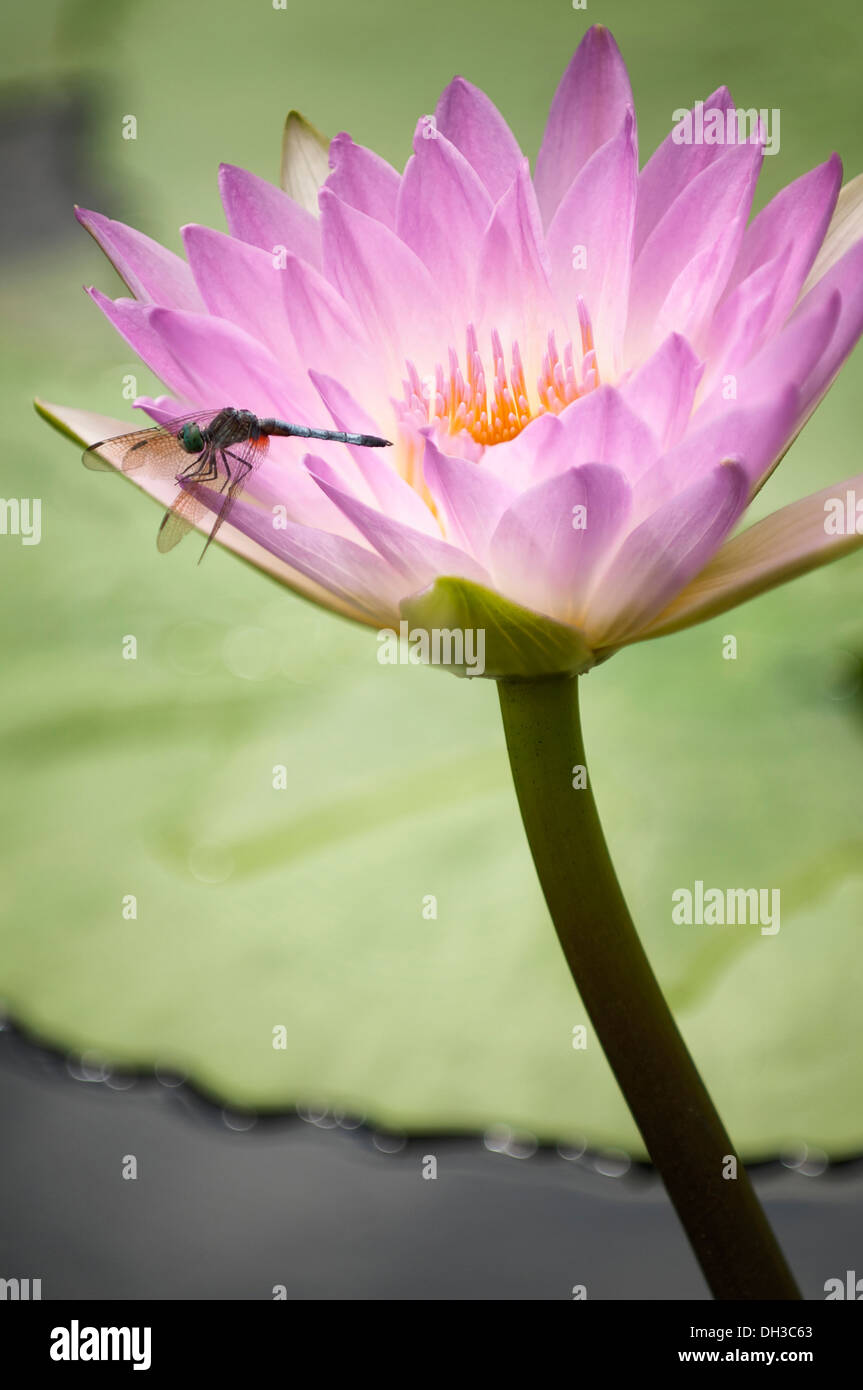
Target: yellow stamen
[(492, 410)]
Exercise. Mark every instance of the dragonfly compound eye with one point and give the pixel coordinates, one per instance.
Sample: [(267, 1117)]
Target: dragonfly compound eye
[(191, 439)]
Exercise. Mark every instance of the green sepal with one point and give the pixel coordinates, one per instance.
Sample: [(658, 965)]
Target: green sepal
[(519, 644)]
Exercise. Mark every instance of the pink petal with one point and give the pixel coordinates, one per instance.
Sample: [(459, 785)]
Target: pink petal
[(263, 215), (797, 218), (599, 428), (152, 273), (350, 572), (846, 228), (443, 211), (790, 542), (390, 491), (386, 285), (689, 305), (753, 434), (469, 120), (243, 284), (328, 336), (790, 357), (470, 499), (596, 218), (347, 413), (808, 352), (205, 360), (670, 169), (516, 462), (739, 326), (163, 409), (685, 262), (283, 481), (514, 291), (662, 391), (661, 555), (341, 473), (588, 110), (845, 279), (363, 180), (541, 558), (418, 558)]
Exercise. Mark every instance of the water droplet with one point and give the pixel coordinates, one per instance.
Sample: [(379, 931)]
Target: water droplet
[(522, 1146), (118, 1082), (809, 1163), (572, 1152), (497, 1138), (389, 1143), (239, 1122), (313, 1114), (612, 1163), (168, 1076), (89, 1067), (317, 1115), (500, 1139), (345, 1121)]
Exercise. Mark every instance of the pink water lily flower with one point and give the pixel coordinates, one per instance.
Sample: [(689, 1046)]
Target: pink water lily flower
[(587, 373)]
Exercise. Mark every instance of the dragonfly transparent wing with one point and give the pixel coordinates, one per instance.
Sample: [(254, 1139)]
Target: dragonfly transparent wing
[(184, 514), (156, 446), (239, 463), (235, 465)]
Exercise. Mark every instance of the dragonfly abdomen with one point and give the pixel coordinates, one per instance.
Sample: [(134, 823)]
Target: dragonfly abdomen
[(280, 427)]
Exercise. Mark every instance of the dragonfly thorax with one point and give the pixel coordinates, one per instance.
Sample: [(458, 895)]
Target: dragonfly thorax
[(191, 438)]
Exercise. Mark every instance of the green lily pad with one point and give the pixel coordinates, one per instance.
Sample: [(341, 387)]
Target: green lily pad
[(304, 907)]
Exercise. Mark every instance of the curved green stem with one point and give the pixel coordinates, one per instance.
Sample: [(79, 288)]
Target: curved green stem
[(684, 1135)]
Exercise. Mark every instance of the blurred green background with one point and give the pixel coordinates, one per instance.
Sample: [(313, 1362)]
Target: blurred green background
[(153, 777)]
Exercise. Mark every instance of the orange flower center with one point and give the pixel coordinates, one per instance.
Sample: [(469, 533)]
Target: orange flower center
[(494, 406)]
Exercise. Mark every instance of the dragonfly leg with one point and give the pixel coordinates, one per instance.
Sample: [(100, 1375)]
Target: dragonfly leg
[(234, 480), (228, 473), (201, 470)]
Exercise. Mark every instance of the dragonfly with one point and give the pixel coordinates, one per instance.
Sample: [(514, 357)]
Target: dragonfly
[(202, 448)]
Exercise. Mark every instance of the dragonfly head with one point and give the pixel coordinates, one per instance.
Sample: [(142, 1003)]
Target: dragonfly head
[(191, 439)]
